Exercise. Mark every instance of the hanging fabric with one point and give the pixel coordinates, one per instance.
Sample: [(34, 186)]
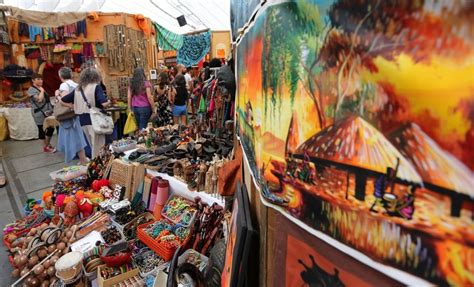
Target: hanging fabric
[(194, 48), (81, 27), (168, 40), (34, 30), (143, 24)]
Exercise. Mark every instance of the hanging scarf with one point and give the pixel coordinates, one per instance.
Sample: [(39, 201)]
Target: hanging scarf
[(194, 48), (168, 40)]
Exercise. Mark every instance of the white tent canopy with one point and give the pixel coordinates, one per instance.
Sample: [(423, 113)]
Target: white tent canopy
[(199, 14)]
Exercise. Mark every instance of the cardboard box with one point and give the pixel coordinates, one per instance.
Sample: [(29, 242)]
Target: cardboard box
[(101, 282)]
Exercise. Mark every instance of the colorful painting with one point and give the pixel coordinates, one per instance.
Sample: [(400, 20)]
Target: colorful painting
[(241, 12), (357, 119), (310, 261)]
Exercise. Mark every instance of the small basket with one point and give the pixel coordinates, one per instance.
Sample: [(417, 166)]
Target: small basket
[(162, 251), (193, 217)]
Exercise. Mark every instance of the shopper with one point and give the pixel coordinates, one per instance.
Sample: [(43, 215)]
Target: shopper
[(179, 96), (140, 99), (41, 108), (165, 115), (89, 87), (71, 139)]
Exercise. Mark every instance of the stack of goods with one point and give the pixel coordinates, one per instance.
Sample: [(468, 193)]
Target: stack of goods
[(87, 228), (191, 156)]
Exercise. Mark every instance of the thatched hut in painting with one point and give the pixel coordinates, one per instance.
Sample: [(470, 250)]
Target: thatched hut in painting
[(354, 145), (441, 171)]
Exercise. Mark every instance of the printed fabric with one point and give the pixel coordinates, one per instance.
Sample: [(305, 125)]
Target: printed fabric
[(168, 40), (194, 48)]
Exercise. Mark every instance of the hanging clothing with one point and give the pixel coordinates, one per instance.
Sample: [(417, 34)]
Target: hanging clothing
[(24, 30), (34, 30), (87, 51), (14, 31), (81, 27)]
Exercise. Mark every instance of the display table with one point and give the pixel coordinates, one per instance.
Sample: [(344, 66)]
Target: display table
[(21, 124)]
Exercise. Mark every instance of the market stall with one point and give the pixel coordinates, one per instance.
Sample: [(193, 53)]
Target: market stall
[(145, 209)]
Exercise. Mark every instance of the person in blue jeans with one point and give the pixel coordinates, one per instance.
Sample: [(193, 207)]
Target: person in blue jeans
[(179, 98), (140, 98)]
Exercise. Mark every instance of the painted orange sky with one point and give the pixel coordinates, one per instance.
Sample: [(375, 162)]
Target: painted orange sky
[(437, 87)]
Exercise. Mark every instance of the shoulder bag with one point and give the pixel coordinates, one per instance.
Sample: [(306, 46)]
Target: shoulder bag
[(62, 113), (102, 123)]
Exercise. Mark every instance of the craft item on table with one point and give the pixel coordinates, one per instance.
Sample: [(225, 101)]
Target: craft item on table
[(154, 229), (99, 166), (168, 40), (47, 199), (194, 48), (60, 48), (84, 204), (107, 193), (98, 221), (23, 225), (124, 145), (111, 235), (121, 206), (180, 211), (94, 197), (69, 267), (148, 262), (87, 245), (109, 272), (99, 183), (207, 226), (71, 210), (81, 28), (195, 258), (130, 229), (31, 204)]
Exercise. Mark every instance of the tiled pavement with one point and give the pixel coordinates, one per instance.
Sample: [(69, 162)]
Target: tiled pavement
[(27, 169)]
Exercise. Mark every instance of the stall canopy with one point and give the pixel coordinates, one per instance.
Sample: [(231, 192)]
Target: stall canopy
[(199, 14)]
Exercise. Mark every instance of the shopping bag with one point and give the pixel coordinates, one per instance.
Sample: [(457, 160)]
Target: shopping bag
[(202, 105), (130, 124), (3, 128)]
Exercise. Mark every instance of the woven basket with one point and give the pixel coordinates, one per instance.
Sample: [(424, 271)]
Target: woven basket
[(122, 174)]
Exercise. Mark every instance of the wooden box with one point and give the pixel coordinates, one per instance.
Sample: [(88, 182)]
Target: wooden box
[(101, 282)]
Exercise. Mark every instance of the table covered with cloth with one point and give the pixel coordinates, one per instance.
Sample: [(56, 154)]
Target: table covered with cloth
[(21, 124)]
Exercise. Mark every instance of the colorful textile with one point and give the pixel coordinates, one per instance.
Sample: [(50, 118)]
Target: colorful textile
[(194, 48), (33, 31), (81, 27), (168, 40)]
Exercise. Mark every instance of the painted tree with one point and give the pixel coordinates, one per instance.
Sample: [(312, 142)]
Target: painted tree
[(287, 30)]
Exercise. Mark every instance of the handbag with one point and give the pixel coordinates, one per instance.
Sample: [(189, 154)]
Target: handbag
[(102, 124), (61, 112)]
